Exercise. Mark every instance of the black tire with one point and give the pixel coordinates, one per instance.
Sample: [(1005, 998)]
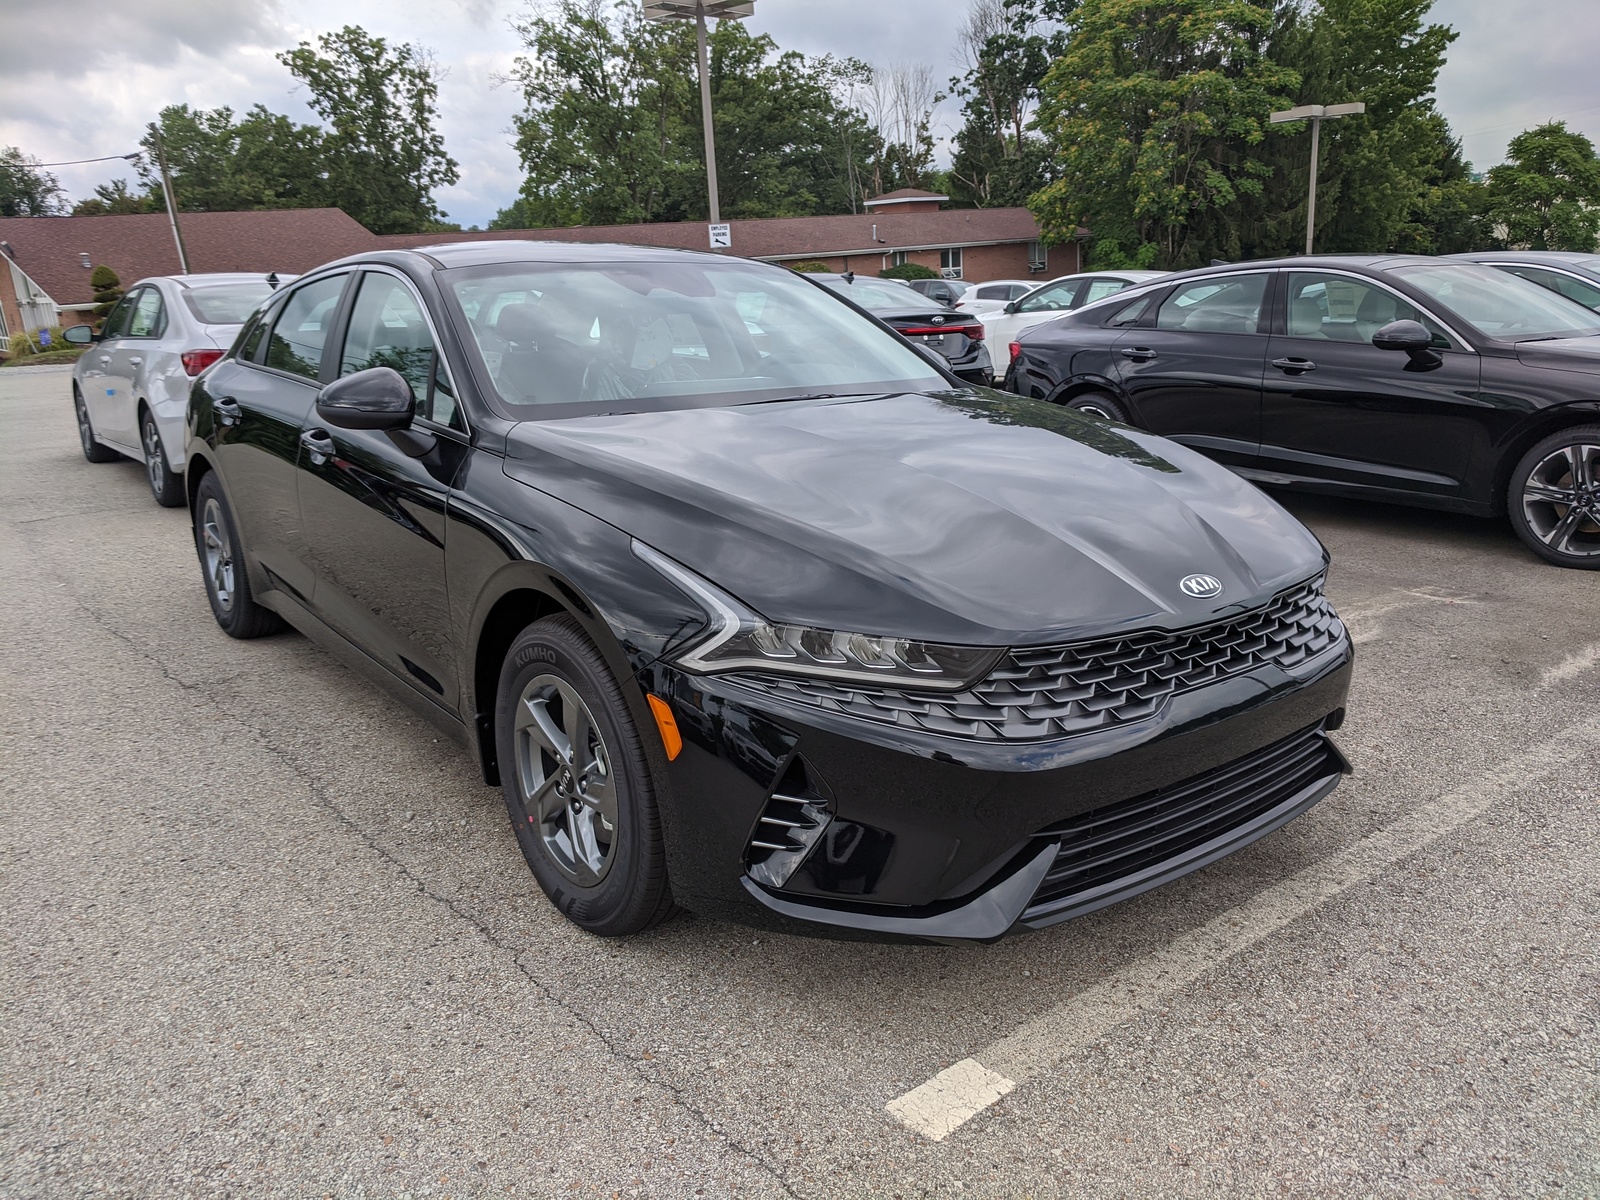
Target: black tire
[(166, 487), (1553, 498), (92, 450), (1098, 404), (587, 822), (216, 541)]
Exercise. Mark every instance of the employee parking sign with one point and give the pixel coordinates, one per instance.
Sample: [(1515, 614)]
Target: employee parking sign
[(721, 237)]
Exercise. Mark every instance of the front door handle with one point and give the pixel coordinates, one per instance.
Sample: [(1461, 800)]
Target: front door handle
[(318, 444), (1139, 353), (227, 410), (105, 358), (136, 361), (1295, 365)]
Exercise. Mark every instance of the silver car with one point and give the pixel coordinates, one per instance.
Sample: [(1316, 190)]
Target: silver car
[(132, 387)]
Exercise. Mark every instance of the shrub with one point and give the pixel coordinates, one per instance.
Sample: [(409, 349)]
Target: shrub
[(26, 345), (813, 268), (107, 290), (909, 270)]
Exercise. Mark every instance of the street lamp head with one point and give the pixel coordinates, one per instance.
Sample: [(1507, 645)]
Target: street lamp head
[(688, 10), (1317, 112)]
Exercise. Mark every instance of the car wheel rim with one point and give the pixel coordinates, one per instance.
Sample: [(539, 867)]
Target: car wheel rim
[(218, 550), (1561, 501), (155, 462), (569, 795), (84, 431), (1094, 410)]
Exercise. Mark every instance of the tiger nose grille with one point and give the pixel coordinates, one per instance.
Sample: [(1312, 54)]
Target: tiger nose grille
[(1164, 828), (1042, 692)]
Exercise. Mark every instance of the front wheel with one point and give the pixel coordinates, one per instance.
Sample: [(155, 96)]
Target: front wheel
[(1098, 404), (92, 450), (1554, 498), (166, 487), (577, 785)]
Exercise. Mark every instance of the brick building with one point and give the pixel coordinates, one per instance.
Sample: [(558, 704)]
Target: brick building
[(45, 262)]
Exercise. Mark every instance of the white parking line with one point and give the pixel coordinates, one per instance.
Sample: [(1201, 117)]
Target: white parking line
[(1361, 619), (938, 1107)]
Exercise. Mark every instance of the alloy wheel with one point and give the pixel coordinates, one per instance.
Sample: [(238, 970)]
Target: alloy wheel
[(564, 772), (1561, 500), (155, 462), (85, 433), (219, 553)]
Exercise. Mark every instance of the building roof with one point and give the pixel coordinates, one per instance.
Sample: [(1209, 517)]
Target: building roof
[(783, 237), (135, 246)]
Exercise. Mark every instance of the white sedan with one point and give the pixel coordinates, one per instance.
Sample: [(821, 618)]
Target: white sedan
[(1050, 300), (131, 389), (993, 295)]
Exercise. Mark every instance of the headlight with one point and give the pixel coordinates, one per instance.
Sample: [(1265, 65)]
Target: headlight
[(740, 639)]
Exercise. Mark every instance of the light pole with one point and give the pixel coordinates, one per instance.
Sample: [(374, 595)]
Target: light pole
[(698, 11), (1317, 114), (172, 206)]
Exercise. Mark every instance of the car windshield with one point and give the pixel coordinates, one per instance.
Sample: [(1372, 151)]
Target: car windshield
[(634, 336), (874, 296), (1499, 304), (225, 303)]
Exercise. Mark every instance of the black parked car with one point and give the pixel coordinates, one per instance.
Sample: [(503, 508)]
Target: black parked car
[(956, 336), (1418, 380), (748, 606), (1575, 276)]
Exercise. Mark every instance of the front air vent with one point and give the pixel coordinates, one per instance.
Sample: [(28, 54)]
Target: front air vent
[(791, 822)]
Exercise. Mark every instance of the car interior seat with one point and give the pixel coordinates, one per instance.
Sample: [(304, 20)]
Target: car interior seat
[(540, 365)]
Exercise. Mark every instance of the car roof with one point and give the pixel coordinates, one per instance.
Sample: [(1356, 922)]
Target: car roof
[(448, 255), (1562, 256), (210, 278)]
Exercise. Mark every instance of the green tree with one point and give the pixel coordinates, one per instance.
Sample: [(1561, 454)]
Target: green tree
[(1382, 176), (998, 161), (26, 189), (1546, 195), (107, 289), (114, 198), (263, 160), (908, 270), (382, 157), (611, 133), (1157, 111)]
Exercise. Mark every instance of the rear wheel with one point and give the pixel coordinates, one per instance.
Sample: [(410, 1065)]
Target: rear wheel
[(166, 487), (92, 450), (1098, 404), (216, 540), (577, 786), (1554, 498)]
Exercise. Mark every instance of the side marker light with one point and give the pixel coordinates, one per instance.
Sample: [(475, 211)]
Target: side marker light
[(667, 724)]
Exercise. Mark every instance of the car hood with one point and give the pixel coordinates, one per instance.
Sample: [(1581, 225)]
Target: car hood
[(961, 517), (1562, 354)]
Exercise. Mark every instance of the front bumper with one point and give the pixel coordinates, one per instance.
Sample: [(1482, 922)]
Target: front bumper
[(940, 838)]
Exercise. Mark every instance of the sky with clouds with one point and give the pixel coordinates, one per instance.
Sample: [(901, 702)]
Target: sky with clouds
[(82, 86)]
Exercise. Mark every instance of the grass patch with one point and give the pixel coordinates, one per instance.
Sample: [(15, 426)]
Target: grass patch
[(42, 360)]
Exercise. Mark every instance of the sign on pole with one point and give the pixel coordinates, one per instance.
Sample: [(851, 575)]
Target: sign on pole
[(721, 237)]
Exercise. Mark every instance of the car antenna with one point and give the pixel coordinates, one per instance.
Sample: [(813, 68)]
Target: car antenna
[(272, 280), (849, 276)]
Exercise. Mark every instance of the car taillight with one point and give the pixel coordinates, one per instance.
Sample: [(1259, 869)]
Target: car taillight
[(975, 332), (1016, 351), (195, 361)]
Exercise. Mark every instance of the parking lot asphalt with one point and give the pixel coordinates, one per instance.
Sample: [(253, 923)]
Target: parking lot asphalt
[(267, 935)]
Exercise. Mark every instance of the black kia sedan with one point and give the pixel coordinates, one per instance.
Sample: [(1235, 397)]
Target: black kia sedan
[(751, 607), (1417, 380), (958, 337)]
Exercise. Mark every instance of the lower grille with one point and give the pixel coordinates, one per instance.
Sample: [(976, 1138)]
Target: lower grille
[(794, 817), (1164, 828)]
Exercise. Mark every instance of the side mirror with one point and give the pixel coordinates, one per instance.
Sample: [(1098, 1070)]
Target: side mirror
[(1412, 337), (1011, 307), (79, 335), (1402, 335), (377, 398)]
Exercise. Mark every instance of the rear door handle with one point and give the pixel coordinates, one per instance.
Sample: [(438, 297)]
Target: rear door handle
[(318, 444), (227, 410), (1296, 365), (105, 358), (136, 361), (1139, 353)]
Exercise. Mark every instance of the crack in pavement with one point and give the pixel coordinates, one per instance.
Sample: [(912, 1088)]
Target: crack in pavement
[(319, 794)]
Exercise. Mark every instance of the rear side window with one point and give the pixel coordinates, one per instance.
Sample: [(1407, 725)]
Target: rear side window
[(1216, 304), (1099, 289), (301, 330)]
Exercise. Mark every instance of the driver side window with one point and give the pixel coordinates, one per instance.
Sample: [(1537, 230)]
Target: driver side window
[(117, 319), (388, 329), (1342, 308)]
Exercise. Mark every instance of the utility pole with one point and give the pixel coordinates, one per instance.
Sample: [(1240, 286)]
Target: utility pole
[(698, 11), (172, 207), (1317, 114)]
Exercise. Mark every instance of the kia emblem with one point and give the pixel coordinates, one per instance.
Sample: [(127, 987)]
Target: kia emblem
[(1201, 587), (938, 320)]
